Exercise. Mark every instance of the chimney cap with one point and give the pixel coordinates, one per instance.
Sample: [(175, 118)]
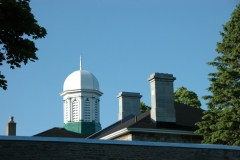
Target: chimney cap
[(165, 76), (129, 94), (11, 119)]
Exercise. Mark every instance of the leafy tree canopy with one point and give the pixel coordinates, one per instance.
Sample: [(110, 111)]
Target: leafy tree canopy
[(144, 107), (18, 29), (221, 122), (182, 95)]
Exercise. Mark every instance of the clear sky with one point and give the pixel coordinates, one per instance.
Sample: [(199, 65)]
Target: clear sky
[(121, 42)]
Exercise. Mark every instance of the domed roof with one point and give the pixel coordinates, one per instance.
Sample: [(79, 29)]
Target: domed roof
[(81, 79)]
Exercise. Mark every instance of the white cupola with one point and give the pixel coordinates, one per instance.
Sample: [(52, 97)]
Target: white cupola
[(81, 79), (81, 97)]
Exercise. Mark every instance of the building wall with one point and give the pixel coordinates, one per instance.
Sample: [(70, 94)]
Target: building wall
[(126, 137), (73, 148)]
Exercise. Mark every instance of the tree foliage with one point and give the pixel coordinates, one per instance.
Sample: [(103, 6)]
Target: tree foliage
[(18, 29), (182, 95), (221, 122), (144, 107)]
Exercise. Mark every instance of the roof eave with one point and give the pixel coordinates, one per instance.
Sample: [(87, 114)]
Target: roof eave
[(146, 130)]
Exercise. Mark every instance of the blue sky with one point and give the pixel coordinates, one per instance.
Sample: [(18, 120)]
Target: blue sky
[(121, 43)]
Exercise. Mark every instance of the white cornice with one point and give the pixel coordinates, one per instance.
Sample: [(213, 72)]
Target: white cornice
[(146, 130), (80, 90)]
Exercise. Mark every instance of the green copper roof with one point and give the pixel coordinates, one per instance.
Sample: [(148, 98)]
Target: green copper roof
[(83, 127)]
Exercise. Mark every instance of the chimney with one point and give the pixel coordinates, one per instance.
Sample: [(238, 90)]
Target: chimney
[(162, 99), (129, 103), (11, 127)]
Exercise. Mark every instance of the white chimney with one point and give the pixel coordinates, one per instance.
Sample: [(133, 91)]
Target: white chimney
[(129, 103), (162, 99), (11, 127)]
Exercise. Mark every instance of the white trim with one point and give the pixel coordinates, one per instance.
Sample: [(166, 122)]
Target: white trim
[(81, 90), (115, 134), (116, 142), (146, 130)]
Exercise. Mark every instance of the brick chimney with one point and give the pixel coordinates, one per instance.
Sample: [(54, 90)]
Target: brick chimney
[(11, 127), (162, 99), (129, 103)]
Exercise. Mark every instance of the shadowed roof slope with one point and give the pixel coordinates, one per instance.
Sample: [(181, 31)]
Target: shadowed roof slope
[(60, 132), (186, 117)]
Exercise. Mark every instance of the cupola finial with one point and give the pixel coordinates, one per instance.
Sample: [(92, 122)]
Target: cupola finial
[(80, 62)]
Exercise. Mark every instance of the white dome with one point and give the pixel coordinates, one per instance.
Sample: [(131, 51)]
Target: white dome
[(81, 79)]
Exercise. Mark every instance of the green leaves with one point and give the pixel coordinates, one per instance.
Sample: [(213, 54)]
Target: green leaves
[(182, 95), (18, 27), (3, 82), (221, 122), (144, 107)]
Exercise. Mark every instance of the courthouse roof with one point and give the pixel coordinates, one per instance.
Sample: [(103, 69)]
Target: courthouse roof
[(186, 117), (60, 132)]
